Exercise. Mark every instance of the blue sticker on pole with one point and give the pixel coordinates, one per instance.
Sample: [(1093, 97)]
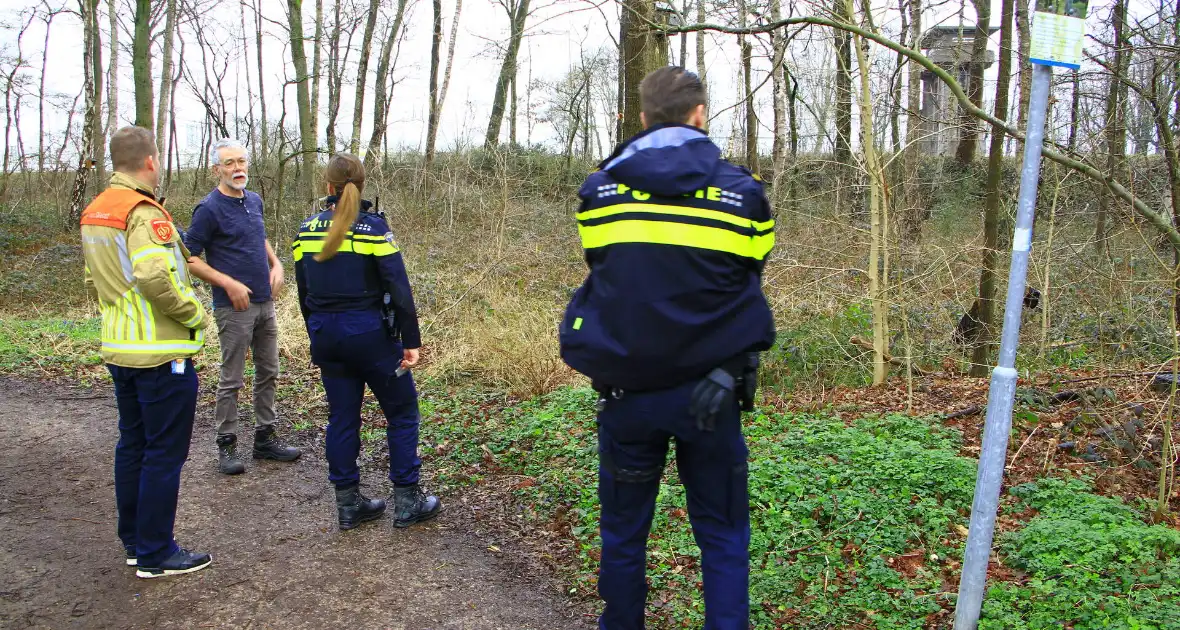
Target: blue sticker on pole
[(1058, 31)]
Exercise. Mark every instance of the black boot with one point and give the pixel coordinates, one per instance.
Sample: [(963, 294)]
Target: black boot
[(227, 456), (354, 508), (267, 446), (412, 505)]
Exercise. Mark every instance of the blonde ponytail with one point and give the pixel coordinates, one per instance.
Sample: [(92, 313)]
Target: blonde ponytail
[(348, 207)]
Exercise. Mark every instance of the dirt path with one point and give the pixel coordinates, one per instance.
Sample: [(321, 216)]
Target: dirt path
[(278, 559)]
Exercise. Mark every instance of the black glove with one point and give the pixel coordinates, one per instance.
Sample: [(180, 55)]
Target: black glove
[(749, 382), (709, 396)]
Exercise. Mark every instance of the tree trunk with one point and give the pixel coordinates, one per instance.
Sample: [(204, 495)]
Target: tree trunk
[(912, 215), (982, 351), (362, 75), (251, 130), (91, 43), (748, 91), (641, 55), (684, 36), (702, 69), (335, 80), (843, 150), (1024, 32), (382, 83), (1075, 107), (165, 79), (1116, 120), (895, 97), (968, 125), (778, 39), (621, 78), (261, 84), (99, 149), (141, 64), (517, 15), (446, 78), (41, 101), (512, 111), (435, 45), (317, 57), (878, 217), (302, 98)]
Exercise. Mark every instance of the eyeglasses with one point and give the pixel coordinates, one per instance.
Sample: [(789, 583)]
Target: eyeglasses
[(238, 162)]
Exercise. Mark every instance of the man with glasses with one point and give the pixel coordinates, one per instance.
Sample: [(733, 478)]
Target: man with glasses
[(245, 274)]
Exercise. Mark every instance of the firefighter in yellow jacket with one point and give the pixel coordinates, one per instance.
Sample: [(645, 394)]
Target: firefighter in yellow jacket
[(152, 325)]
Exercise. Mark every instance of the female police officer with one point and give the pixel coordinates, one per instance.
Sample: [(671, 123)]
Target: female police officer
[(346, 266)]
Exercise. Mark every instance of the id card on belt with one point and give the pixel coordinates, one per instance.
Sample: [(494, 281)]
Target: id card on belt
[(178, 366)]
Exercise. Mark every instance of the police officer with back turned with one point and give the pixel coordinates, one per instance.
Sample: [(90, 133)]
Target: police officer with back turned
[(667, 326), (346, 263)]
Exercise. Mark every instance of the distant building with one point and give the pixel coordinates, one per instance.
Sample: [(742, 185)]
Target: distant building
[(950, 48)]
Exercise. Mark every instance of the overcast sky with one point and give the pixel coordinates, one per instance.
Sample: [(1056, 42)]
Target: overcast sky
[(559, 33)]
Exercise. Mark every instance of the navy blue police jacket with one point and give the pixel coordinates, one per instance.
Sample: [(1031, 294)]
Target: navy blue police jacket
[(366, 267), (676, 240)]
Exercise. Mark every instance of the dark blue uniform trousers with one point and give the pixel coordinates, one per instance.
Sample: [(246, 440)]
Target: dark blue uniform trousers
[(352, 349), (633, 434), (156, 409)]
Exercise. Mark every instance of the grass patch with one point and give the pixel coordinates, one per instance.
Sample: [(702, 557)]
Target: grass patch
[(856, 523), (49, 347)]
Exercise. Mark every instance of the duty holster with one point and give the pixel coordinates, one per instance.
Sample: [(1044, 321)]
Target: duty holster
[(743, 368), (390, 319)]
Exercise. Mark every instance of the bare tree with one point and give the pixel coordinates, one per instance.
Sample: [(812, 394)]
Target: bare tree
[(748, 90), (981, 354), (299, 60), (141, 65), (317, 64), (702, 68), (969, 136), (264, 149), (843, 152), (165, 78), (91, 42), (50, 13), (641, 55), (1116, 117), (362, 75), (439, 96), (383, 82), (518, 11)]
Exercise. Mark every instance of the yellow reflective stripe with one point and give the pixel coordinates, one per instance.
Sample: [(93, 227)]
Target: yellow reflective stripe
[(297, 254), (149, 319), (764, 225), (186, 293), (147, 251), (653, 208), (365, 248), (130, 321), (368, 237), (151, 347), (683, 234)]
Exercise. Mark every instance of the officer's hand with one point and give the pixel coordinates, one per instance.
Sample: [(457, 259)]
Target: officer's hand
[(239, 294), (411, 358), (276, 279), (709, 396)]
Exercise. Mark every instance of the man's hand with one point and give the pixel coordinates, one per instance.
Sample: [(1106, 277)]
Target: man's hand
[(276, 280), (239, 294), (410, 358)]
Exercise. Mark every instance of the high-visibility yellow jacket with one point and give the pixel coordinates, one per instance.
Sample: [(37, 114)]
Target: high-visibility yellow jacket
[(137, 269)]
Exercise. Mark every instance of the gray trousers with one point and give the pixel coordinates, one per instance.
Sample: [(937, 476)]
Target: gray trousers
[(253, 329)]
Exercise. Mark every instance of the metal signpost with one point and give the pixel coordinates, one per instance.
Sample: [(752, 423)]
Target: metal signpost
[(1058, 29)]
